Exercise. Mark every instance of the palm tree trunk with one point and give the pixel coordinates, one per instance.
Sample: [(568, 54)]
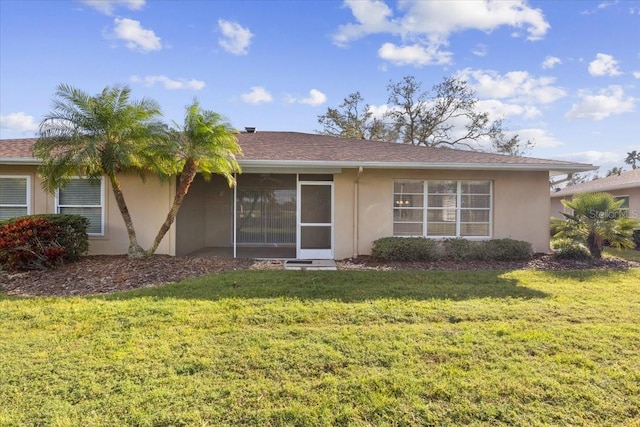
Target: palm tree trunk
[(135, 250), (186, 178)]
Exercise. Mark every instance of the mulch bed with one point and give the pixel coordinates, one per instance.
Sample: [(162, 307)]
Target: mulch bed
[(105, 274)]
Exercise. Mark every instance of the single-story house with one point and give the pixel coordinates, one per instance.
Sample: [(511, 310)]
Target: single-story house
[(625, 186), (308, 196)]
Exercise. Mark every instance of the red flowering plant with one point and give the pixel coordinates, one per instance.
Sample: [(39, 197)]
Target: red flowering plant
[(30, 243)]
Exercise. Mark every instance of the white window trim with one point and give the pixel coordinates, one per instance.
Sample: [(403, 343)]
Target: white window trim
[(28, 199), (626, 210), (101, 206), (458, 209)]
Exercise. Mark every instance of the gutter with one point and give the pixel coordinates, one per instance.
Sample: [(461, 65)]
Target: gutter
[(312, 164), (553, 168), (20, 161)]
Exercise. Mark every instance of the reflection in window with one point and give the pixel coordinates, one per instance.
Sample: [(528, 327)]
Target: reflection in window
[(442, 208)]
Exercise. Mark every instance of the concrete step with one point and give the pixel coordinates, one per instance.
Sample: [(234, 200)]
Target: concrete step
[(310, 264)]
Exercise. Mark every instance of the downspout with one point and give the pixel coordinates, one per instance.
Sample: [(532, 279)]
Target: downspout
[(356, 186), (235, 215)]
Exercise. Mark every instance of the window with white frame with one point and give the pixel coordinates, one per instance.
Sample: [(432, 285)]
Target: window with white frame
[(442, 208), (14, 196), (83, 197), (624, 208)]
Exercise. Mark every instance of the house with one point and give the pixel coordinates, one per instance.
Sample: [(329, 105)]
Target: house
[(625, 186), (308, 196)]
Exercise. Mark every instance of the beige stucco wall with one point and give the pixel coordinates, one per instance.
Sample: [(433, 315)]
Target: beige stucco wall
[(148, 204), (520, 206), (632, 193)]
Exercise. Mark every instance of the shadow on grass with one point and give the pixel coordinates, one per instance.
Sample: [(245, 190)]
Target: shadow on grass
[(345, 286)]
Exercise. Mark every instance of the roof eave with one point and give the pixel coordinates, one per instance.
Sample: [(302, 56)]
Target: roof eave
[(572, 192), (20, 161), (554, 169)]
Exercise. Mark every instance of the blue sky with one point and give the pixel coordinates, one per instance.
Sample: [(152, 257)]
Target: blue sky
[(565, 74)]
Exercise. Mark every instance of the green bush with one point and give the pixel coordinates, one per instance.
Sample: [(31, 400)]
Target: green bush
[(405, 249), (503, 250), (636, 238), (422, 249), (42, 241), (459, 249), (570, 249)]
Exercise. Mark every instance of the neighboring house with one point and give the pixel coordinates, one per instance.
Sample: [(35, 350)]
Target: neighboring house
[(625, 186), (308, 196)]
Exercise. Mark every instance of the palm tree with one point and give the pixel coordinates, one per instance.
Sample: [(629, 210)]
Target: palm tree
[(206, 143), (595, 220), (614, 171), (102, 135), (633, 158)]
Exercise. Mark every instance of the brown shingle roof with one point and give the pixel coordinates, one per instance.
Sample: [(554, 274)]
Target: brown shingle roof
[(295, 149), (629, 179), (17, 148)]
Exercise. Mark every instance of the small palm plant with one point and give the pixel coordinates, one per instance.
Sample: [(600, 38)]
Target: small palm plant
[(596, 220)]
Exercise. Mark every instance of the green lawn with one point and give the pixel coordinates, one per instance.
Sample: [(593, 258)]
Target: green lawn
[(628, 254), (359, 348)]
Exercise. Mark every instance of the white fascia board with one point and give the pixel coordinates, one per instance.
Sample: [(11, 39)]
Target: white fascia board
[(20, 161), (571, 191), (554, 169)]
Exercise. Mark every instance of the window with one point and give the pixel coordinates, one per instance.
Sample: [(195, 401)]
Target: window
[(14, 196), (442, 208), (82, 197), (624, 208)]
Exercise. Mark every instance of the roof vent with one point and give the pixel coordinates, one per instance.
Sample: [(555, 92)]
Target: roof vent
[(250, 129)]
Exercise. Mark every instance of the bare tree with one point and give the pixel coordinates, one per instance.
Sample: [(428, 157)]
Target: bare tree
[(447, 116), (353, 119)]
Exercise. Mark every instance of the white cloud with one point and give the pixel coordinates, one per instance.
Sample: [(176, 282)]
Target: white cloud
[(235, 38), (480, 50), (314, 99), (604, 65), (592, 156), (498, 109), (171, 84), (606, 102), (539, 137), (636, 74), (550, 62), (18, 122), (257, 95), (514, 85), (425, 26), (415, 54), (372, 16), (439, 18), (601, 6), (108, 6), (136, 37)]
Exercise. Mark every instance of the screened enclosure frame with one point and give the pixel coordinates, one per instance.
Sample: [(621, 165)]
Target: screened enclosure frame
[(275, 218)]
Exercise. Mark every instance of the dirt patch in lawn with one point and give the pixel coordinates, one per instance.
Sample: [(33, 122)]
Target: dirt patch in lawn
[(105, 274)]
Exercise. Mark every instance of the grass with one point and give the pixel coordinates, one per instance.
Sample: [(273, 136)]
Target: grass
[(628, 254), (352, 348)]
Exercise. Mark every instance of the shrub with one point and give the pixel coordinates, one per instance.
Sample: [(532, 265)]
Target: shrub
[(72, 235), (570, 249), (42, 241), (405, 249), (636, 238), (503, 250), (459, 249)]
